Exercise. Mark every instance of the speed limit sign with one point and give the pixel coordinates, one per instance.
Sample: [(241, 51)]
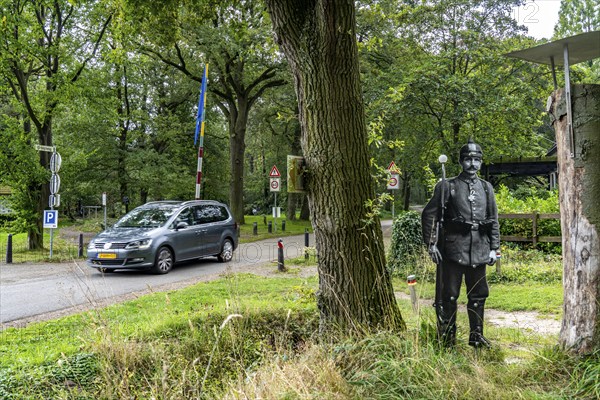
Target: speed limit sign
[(394, 182), (274, 184)]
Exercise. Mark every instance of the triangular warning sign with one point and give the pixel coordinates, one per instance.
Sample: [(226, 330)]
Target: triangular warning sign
[(393, 168), (274, 172)]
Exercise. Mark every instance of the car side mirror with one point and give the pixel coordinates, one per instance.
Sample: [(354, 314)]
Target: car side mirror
[(181, 225)]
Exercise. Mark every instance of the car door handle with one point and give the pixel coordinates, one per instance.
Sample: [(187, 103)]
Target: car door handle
[(200, 231)]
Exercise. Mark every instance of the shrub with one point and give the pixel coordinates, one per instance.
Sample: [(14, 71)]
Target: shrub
[(526, 201), (406, 246)]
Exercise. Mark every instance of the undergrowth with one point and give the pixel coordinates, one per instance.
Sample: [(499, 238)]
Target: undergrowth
[(248, 337)]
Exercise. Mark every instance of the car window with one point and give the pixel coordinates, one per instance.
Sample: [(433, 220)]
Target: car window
[(185, 216), (208, 213), (149, 217)]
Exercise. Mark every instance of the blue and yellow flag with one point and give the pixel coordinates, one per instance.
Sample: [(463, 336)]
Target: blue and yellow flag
[(201, 105)]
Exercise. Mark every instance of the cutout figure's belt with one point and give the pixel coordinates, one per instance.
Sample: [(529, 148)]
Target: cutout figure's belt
[(461, 226)]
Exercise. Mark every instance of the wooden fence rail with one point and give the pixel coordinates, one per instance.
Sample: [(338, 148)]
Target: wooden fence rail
[(534, 238)]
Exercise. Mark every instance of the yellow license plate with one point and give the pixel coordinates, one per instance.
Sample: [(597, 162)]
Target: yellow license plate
[(107, 255)]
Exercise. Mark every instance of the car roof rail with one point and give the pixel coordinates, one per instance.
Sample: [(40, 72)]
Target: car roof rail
[(189, 202), (173, 202)]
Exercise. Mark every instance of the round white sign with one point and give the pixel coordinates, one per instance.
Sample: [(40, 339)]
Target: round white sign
[(55, 162), (274, 184)]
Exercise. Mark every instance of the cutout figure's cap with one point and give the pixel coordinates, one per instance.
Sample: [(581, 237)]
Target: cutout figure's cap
[(470, 149)]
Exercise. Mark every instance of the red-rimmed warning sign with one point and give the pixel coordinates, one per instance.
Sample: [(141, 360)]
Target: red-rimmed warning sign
[(274, 172), (275, 185), (392, 168)]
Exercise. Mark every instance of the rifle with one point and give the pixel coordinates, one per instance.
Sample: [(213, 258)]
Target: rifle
[(438, 230)]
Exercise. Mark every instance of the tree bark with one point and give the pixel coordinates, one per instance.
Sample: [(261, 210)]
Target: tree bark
[(237, 150), (318, 39), (304, 210), (579, 187), (296, 149)]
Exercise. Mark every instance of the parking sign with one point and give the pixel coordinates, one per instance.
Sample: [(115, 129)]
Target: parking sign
[(50, 219)]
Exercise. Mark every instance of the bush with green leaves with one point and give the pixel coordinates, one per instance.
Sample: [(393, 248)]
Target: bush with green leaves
[(406, 247), (527, 201)]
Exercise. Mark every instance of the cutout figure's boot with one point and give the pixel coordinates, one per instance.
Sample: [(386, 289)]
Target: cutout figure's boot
[(475, 309), (477, 340), (447, 325)]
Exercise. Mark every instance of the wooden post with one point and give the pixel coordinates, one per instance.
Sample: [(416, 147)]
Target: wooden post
[(534, 224), (579, 187)]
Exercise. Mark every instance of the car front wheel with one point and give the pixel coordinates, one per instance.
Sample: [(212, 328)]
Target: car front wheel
[(164, 261), (226, 253)]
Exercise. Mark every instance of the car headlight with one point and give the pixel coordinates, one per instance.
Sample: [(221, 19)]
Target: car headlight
[(92, 244), (139, 244)]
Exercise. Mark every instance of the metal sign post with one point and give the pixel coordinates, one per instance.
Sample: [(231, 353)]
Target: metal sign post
[(393, 184), (104, 206), (54, 199), (51, 217), (275, 186)]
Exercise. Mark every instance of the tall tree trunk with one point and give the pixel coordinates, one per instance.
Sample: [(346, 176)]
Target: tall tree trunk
[(35, 232), (296, 149), (406, 191), (41, 192), (237, 150), (304, 210), (318, 39), (579, 187), (123, 111)]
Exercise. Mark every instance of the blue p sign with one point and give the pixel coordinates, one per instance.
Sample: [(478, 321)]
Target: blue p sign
[(50, 219)]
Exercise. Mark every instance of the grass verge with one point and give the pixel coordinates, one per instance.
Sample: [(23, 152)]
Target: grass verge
[(245, 336)]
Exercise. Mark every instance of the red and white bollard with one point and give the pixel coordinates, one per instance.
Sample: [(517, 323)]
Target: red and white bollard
[(280, 263), (411, 280)]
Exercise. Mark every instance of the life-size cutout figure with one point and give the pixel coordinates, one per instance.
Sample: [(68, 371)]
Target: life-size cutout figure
[(462, 237)]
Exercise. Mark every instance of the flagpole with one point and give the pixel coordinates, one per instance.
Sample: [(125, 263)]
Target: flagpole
[(200, 127)]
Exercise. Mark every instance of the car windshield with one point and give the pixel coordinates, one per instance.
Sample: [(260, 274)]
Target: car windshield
[(147, 217)]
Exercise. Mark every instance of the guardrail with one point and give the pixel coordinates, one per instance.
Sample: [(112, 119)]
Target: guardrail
[(534, 238)]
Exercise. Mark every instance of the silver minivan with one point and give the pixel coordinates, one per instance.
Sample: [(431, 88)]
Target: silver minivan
[(158, 234)]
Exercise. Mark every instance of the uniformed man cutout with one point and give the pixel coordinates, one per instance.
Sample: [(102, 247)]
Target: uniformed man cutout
[(468, 242)]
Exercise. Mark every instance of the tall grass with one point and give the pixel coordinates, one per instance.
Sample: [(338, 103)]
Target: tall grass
[(186, 344)]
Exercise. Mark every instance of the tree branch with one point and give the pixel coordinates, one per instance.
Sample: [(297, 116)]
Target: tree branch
[(96, 45), (252, 99)]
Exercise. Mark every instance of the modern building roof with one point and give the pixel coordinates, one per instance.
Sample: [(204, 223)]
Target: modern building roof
[(582, 47)]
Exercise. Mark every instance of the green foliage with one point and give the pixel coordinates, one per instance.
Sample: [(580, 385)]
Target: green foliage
[(520, 266), (436, 74), (407, 244), (526, 201), (586, 377)]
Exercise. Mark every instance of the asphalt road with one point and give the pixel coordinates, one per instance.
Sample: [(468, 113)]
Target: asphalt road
[(41, 291)]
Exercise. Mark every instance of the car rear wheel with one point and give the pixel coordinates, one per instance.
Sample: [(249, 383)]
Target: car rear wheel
[(226, 253), (164, 261)]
